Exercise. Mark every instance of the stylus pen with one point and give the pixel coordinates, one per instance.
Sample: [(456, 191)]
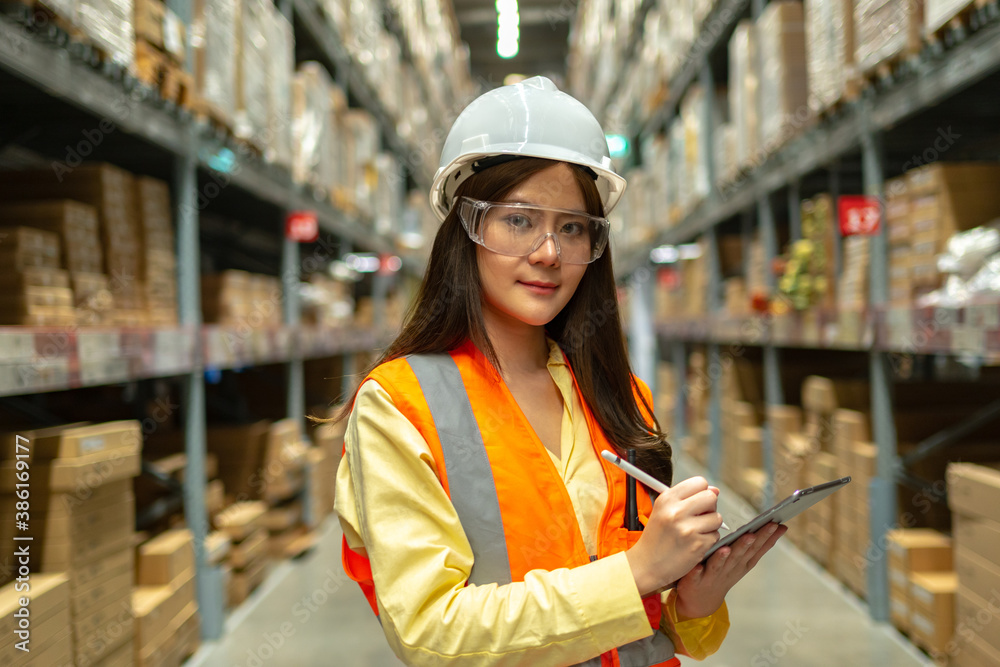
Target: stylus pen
[(644, 477)]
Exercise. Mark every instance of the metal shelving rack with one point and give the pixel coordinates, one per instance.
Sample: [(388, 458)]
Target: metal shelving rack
[(856, 132), (49, 67)]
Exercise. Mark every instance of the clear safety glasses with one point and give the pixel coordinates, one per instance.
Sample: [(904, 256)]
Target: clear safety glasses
[(517, 230)]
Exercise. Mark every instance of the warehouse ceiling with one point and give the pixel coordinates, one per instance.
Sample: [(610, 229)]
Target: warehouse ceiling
[(544, 27)]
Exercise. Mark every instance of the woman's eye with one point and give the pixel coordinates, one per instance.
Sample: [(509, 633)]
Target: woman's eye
[(573, 228), (519, 221)]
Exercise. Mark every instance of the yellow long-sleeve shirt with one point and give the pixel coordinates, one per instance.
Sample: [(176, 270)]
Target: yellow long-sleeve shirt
[(392, 507)]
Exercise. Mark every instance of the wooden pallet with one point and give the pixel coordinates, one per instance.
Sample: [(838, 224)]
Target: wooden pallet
[(886, 72), (956, 28)]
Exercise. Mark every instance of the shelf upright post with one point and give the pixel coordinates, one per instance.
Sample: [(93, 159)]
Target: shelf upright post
[(642, 329), (794, 211), (349, 366), (882, 495), (291, 264), (773, 391), (208, 587), (714, 361)]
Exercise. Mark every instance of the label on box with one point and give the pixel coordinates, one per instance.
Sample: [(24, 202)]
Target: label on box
[(91, 444), (860, 215), (173, 34)]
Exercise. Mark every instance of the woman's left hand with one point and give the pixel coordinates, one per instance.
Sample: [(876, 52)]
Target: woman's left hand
[(702, 590)]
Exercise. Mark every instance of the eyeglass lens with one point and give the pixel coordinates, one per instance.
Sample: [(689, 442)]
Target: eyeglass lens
[(517, 230)]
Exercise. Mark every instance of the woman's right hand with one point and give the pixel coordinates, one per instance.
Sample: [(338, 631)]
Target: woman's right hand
[(683, 525)]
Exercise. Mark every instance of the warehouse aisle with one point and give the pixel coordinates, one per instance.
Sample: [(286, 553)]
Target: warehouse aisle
[(788, 612)]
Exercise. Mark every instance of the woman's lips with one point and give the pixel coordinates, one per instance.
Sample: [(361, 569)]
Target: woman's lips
[(539, 287)]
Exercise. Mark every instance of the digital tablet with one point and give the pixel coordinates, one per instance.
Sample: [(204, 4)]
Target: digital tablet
[(799, 501)]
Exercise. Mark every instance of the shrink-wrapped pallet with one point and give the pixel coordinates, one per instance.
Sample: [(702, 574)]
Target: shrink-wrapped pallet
[(312, 160), (783, 80), (214, 41), (253, 71), (938, 13), (885, 31), (743, 84), (109, 24), (388, 193), (830, 51), (281, 63)]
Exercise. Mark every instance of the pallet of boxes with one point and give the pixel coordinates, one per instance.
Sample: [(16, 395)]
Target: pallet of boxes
[(974, 498), (81, 519), (922, 584), (160, 48), (167, 627), (107, 272), (263, 468)]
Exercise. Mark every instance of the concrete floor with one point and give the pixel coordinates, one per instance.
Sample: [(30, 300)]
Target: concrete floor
[(788, 611)]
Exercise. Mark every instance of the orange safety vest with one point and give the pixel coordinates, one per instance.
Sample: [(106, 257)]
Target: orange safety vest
[(510, 498)]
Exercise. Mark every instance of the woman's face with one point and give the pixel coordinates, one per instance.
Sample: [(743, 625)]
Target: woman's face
[(533, 289)]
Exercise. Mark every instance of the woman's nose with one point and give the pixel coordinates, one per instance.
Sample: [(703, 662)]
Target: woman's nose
[(546, 250)]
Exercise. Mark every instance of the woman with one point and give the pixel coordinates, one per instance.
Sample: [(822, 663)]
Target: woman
[(478, 516)]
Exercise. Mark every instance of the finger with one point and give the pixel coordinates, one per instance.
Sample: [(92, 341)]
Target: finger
[(715, 490), (767, 545), (707, 523), (688, 488), (703, 502), (743, 548), (718, 560)]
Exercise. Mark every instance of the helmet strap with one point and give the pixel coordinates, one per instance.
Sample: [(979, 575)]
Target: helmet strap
[(494, 160)]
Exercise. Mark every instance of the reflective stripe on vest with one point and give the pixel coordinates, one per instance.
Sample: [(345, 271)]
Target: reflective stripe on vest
[(470, 478), (474, 495)]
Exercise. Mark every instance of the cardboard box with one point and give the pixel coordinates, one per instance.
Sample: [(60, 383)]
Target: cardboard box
[(75, 223), (974, 490), (241, 584), (933, 617), (977, 535), (55, 651), (104, 642), (78, 441), (244, 554), (48, 596), (900, 605), (165, 558), (975, 572), (77, 473), (241, 519), (976, 619), (178, 640), (156, 607), (12, 281)]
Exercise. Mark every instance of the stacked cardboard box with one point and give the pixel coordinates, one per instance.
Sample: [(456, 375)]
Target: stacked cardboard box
[(932, 595), (829, 26), (110, 191), (108, 25), (238, 298), (946, 198), (252, 72), (742, 412), (44, 622), (329, 438), (974, 498), (914, 551), (697, 392), (897, 220), (852, 289), (166, 610), (37, 292), (784, 86), (215, 23), (157, 259), (743, 85), (82, 523), (886, 32), (248, 552)]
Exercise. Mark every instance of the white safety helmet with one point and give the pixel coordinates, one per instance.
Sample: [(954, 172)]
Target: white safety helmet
[(532, 118)]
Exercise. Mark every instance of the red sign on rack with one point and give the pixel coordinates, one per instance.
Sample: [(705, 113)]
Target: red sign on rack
[(302, 226), (860, 215)]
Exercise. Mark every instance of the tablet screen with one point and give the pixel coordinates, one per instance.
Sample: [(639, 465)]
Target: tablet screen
[(798, 502)]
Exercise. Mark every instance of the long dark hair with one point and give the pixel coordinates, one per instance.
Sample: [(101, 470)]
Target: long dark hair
[(448, 311)]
